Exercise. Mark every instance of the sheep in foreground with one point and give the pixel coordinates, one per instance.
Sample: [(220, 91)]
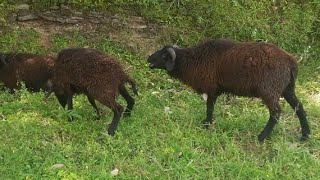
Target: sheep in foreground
[(96, 74), (32, 69), (251, 69)]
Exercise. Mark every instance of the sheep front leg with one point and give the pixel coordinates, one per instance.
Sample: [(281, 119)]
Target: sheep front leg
[(210, 107)]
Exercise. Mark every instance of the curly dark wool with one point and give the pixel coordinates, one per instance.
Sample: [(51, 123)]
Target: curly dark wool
[(97, 75)]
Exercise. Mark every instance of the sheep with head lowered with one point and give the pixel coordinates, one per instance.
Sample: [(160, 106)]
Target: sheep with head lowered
[(251, 69), (96, 74), (32, 69)]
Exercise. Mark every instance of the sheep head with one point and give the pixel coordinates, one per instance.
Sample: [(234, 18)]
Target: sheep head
[(163, 59)]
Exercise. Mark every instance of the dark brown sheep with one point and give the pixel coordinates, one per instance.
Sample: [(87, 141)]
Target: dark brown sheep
[(96, 74), (251, 69), (32, 69)]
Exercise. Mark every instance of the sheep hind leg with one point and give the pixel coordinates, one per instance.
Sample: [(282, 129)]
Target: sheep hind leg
[(130, 101), (93, 104), (109, 100), (117, 110), (290, 96), (274, 110), (210, 107)]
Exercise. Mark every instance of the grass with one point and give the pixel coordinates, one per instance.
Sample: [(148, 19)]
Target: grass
[(153, 143)]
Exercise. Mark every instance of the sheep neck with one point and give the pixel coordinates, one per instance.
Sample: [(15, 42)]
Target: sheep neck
[(189, 67)]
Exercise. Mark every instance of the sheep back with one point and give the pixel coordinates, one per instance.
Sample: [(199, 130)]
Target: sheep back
[(241, 68), (88, 69)]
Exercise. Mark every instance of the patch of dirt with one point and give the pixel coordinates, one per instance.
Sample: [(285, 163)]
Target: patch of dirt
[(132, 31)]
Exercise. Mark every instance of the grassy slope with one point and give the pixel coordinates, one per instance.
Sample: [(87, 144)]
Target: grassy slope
[(152, 143)]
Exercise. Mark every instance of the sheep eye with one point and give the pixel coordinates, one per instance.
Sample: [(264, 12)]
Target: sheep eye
[(164, 55)]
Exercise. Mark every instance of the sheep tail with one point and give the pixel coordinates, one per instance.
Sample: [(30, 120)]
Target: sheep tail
[(294, 71), (293, 74), (133, 85)]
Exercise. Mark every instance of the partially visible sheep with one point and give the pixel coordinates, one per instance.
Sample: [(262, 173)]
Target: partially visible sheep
[(32, 69), (96, 74), (252, 69)]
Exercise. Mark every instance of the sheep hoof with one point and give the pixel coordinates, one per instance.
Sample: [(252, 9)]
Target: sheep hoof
[(206, 126), (126, 113), (304, 138), (206, 123), (261, 137), (98, 116), (111, 132)]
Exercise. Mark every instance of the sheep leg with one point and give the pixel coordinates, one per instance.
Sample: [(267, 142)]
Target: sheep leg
[(109, 99), (33, 87), (62, 99), (210, 107), (70, 103), (117, 110), (274, 110), (12, 85), (130, 101), (11, 90), (93, 104), (290, 96)]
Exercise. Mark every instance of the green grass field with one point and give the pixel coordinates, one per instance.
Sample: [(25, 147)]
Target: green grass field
[(164, 138)]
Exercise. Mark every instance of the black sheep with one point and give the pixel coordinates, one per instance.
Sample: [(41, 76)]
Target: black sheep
[(251, 69), (96, 74)]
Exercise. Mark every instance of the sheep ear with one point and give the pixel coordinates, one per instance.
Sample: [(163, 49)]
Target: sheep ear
[(171, 61)]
